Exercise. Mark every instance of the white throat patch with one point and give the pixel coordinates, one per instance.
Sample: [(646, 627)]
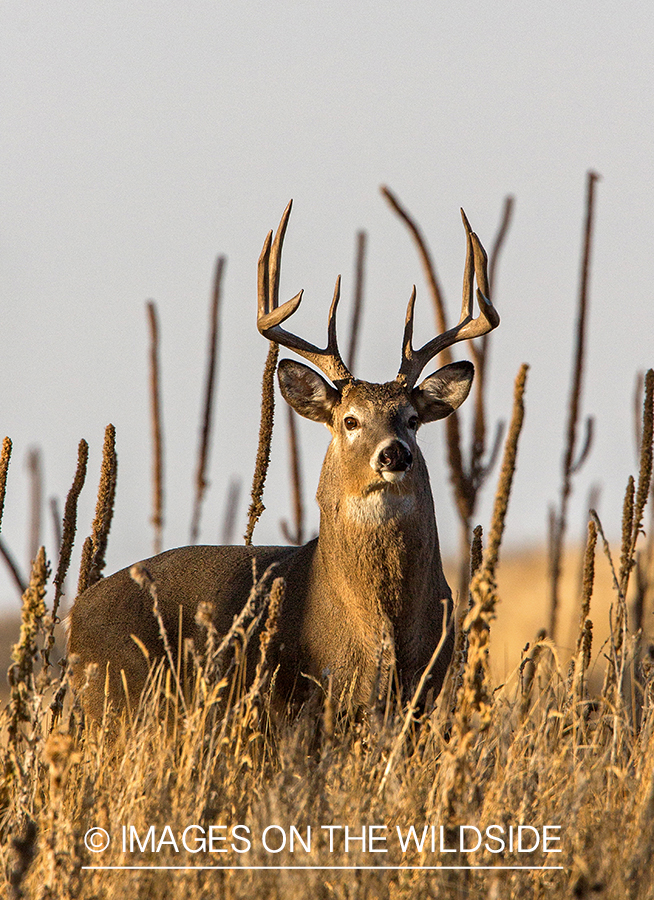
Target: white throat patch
[(378, 507)]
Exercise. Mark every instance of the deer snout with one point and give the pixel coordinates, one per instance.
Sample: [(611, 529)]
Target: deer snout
[(392, 460)]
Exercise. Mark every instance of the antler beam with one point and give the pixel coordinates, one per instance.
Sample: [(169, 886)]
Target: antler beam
[(271, 314), (414, 361)]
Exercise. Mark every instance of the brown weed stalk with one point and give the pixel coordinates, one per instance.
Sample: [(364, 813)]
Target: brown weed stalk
[(25, 708), (265, 438), (296, 535), (357, 306), (95, 546), (5, 456), (157, 436), (201, 483), (636, 498), (35, 470), (66, 545), (12, 566), (572, 462), (228, 529), (70, 525)]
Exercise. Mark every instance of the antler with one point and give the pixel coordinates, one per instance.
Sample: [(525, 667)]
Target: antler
[(271, 314), (414, 361)]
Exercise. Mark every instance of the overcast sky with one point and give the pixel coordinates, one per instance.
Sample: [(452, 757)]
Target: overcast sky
[(138, 141)]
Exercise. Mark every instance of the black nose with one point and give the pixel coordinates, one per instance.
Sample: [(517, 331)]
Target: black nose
[(395, 457)]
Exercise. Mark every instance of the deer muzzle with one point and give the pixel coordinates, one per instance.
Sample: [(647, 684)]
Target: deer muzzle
[(392, 460)]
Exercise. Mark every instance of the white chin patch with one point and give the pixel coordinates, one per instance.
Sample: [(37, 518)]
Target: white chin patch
[(378, 507), (393, 477)]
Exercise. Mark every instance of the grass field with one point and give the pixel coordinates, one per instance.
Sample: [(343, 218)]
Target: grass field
[(531, 776)]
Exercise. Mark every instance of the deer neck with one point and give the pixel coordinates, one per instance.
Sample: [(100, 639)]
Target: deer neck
[(379, 552)]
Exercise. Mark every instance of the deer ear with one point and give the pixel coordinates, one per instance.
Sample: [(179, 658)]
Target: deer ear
[(444, 391), (306, 391)]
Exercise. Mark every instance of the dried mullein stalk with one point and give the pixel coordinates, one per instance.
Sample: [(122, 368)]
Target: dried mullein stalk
[(5, 456), (265, 438), (476, 686), (636, 496), (93, 555), (25, 652), (581, 660), (70, 524)]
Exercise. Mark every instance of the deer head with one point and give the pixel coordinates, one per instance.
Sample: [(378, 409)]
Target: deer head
[(373, 466)]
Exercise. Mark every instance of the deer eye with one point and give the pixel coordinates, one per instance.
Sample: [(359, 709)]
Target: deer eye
[(350, 423), (413, 423)]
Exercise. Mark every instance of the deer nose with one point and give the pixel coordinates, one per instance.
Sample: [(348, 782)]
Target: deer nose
[(394, 457)]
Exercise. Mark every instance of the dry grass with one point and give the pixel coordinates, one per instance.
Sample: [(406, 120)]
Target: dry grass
[(201, 795), (544, 748)]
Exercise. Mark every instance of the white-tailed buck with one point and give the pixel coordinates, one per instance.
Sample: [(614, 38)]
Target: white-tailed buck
[(374, 570)]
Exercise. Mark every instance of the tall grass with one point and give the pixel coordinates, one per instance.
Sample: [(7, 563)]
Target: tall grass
[(536, 751), (204, 790)]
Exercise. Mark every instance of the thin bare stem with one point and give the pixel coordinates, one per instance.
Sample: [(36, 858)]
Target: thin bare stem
[(500, 237), (231, 506), (358, 300), (55, 513), (157, 439), (295, 536), (427, 264), (12, 566), (480, 351), (570, 465), (212, 359), (36, 501)]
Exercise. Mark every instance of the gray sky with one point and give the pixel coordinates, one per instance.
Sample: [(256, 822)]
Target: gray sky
[(138, 141)]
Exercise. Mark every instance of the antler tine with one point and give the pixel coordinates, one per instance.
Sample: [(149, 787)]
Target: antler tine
[(408, 353), (271, 314), (414, 361)]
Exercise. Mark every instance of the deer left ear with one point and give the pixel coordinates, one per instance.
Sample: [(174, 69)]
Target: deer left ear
[(444, 391), (306, 391)]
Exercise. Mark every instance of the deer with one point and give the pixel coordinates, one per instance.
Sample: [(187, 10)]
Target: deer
[(370, 585)]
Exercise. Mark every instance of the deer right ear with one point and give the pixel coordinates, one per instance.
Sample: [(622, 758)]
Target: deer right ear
[(306, 391), (444, 391)]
